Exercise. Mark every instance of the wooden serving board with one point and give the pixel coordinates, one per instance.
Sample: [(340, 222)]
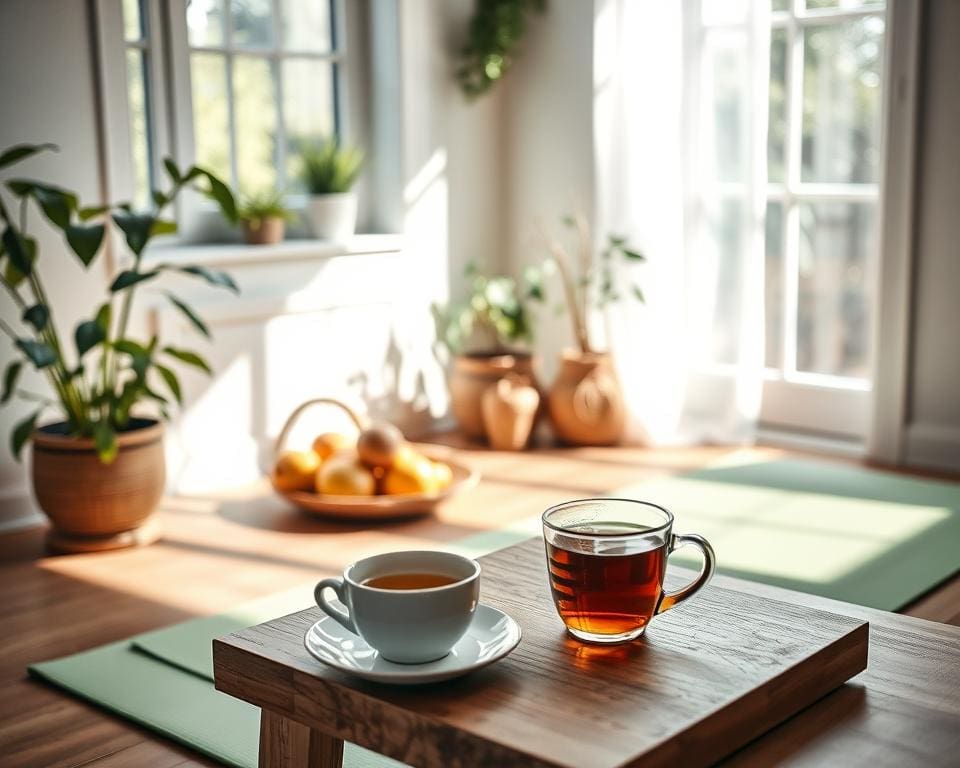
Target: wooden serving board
[(707, 678)]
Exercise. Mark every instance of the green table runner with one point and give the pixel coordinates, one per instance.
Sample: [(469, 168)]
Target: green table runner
[(873, 538)]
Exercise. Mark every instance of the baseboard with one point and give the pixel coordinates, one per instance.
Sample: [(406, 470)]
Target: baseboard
[(804, 441), (18, 510), (932, 445)]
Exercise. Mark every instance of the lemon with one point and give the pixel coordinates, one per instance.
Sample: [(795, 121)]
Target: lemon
[(295, 471), (330, 443), (411, 472), (343, 475)]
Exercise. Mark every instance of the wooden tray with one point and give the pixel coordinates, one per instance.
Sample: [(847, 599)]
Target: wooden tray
[(706, 679), (386, 507)]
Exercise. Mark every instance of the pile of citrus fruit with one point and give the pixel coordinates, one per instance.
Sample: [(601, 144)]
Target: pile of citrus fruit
[(377, 462)]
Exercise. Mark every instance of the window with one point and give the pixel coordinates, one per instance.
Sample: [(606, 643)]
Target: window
[(263, 74), (243, 85), (137, 57)]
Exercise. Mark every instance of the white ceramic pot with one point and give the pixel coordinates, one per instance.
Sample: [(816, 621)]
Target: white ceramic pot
[(332, 217)]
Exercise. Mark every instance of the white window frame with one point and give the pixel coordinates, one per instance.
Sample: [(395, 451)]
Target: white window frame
[(169, 97), (792, 399)]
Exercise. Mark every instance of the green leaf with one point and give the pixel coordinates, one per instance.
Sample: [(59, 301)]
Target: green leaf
[(130, 277), (163, 227), (22, 151), (91, 212), (37, 316), (19, 252), (617, 241), (11, 273), (57, 204), (130, 347), (87, 335), (173, 384), (159, 199), (22, 432), (172, 171), (85, 241), (190, 358), (631, 254), (221, 193), (136, 227), (104, 315), (105, 440), (190, 315), (212, 276), (638, 294), (10, 377), (40, 354)]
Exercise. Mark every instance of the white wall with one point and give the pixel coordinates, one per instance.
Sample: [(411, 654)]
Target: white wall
[(354, 326)]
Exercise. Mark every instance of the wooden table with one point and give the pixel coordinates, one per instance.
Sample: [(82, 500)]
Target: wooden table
[(219, 550), (705, 680)]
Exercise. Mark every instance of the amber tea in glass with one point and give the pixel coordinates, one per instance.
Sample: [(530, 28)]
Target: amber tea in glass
[(606, 560)]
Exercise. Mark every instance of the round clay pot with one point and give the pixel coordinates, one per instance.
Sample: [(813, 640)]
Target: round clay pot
[(264, 231), (91, 505), (586, 402), (470, 377)]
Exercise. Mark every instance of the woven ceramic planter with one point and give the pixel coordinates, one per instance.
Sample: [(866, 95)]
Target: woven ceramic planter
[(94, 506)]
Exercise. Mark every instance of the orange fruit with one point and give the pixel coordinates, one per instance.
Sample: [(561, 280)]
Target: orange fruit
[(411, 472), (295, 471), (329, 443), (343, 475)]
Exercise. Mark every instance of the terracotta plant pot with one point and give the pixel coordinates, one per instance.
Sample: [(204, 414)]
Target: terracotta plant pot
[(264, 231), (94, 506), (470, 377), (509, 412), (586, 402)]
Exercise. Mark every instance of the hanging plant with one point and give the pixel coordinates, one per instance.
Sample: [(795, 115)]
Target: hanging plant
[(495, 32)]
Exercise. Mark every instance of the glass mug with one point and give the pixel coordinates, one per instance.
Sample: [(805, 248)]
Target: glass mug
[(606, 560)]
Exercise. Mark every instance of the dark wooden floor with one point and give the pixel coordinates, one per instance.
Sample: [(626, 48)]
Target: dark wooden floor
[(219, 551)]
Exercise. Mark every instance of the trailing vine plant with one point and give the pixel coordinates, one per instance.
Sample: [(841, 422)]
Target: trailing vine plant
[(493, 36)]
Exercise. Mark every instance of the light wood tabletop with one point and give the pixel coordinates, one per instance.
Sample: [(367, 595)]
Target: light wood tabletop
[(222, 549)]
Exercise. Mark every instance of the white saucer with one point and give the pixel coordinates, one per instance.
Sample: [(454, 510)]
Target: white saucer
[(491, 636)]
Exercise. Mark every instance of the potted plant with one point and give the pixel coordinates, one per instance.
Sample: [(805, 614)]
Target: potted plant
[(487, 336), (329, 172), (586, 402), (263, 217), (97, 469)]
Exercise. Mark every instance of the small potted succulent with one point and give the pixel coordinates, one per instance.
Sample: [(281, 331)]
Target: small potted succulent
[(488, 336), (586, 401), (263, 217), (98, 466), (329, 173)]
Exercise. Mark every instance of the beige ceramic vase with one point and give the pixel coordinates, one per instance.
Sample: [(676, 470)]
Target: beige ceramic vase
[(94, 506), (586, 402), (509, 412), (470, 377)]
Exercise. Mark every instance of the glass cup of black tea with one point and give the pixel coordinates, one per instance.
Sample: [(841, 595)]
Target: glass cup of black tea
[(607, 559)]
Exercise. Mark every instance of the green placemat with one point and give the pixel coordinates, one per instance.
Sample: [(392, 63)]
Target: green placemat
[(864, 536), (868, 537)]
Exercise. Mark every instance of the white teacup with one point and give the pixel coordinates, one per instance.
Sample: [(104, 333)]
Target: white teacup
[(408, 626)]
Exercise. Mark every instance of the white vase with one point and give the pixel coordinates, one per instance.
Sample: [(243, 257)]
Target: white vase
[(333, 217)]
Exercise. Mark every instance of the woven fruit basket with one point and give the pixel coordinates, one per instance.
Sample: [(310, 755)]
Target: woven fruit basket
[(387, 457)]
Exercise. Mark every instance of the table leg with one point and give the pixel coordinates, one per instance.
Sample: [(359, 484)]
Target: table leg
[(285, 743)]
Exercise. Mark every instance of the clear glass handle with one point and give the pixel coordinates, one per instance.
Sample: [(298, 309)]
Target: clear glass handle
[(672, 599)]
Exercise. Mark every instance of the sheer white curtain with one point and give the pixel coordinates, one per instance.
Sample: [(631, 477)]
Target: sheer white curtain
[(680, 129)]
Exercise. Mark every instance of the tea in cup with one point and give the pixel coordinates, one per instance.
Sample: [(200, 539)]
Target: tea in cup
[(412, 607)]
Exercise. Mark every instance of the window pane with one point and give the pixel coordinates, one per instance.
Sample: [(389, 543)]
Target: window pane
[(255, 118), (777, 122), (308, 110), (814, 4), (139, 141), (211, 125), (306, 25), (716, 305), (252, 23), (132, 26), (725, 60), (780, 5), (205, 22), (773, 285), (837, 264), (841, 101)]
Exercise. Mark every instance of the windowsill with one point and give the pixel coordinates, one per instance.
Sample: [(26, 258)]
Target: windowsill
[(231, 254)]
